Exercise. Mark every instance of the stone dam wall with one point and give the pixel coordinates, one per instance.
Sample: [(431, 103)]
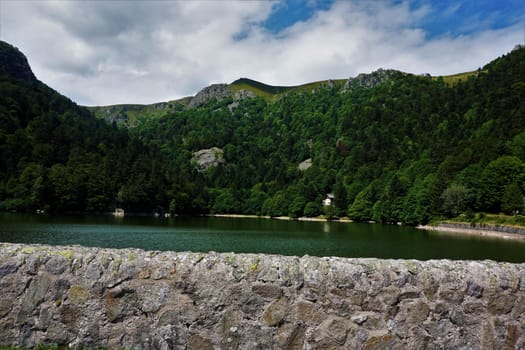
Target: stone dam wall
[(92, 297), (485, 227)]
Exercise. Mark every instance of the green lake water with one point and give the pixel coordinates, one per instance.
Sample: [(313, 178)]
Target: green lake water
[(203, 234)]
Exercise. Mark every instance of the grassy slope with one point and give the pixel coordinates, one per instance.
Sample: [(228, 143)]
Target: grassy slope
[(272, 93), (456, 78)]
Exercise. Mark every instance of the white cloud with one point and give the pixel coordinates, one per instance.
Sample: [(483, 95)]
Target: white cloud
[(147, 51)]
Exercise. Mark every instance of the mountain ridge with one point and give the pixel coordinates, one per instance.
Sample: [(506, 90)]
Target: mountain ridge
[(129, 115)]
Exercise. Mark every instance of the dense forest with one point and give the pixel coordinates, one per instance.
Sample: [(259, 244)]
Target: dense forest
[(402, 148), (55, 156)]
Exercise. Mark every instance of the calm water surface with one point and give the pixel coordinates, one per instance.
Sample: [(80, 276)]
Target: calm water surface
[(203, 234)]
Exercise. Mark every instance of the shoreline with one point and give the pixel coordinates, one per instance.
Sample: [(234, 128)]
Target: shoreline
[(301, 218), (242, 216), (473, 232), (480, 232)]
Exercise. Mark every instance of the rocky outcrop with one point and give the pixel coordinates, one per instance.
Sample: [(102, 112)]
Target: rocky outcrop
[(94, 297), (243, 94), (210, 93), (238, 96), (370, 80), (305, 164), (207, 158), (129, 115)]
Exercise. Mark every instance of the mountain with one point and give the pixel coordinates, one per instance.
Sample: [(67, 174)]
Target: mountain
[(133, 115), (56, 156), (390, 146), (387, 146), (14, 64)]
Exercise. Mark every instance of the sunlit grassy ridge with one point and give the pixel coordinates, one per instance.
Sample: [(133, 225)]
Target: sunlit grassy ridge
[(258, 88), (271, 93), (456, 78)]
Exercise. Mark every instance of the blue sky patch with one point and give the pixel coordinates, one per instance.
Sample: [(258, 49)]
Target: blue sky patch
[(445, 17), (450, 17), (286, 13)]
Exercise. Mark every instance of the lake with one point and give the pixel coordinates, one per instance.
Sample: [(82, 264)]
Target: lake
[(244, 235)]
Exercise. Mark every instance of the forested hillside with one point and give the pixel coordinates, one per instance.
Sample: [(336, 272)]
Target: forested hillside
[(390, 146), (54, 155), (406, 149)]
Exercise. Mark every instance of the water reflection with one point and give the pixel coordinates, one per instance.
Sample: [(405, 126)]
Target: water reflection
[(203, 234)]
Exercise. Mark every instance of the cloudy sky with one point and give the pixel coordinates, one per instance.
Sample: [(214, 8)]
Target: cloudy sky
[(110, 52)]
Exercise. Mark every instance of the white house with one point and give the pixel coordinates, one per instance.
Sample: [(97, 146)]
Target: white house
[(119, 213), (328, 200)]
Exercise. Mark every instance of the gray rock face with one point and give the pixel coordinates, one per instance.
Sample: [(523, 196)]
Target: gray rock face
[(207, 158), (370, 80), (93, 297), (212, 92), (305, 164), (243, 94)]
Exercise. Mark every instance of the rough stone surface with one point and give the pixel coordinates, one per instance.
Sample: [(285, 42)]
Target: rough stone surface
[(210, 93), (104, 298), (485, 227), (207, 158), (370, 80), (305, 165), (243, 95)]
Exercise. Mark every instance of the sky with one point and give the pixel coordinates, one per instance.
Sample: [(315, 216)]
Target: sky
[(114, 52)]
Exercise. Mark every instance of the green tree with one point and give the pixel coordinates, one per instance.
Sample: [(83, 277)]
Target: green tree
[(340, 200), (276, 205), (256, 200), (495, 178), (312, 209), (296, 207), (512, 201), (456, 199), (225, 203), (330, 211), (361, 208)]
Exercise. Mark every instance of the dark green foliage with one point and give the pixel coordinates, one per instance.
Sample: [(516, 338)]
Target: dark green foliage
[(296, 208), (55, 156), (312, 209), (497, 175), (408, 149), (13, 63), (512, 200), (456, 199)]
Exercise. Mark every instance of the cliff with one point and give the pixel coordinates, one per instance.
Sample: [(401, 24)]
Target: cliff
[(212, 92), (372, 79), (93, 297)]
